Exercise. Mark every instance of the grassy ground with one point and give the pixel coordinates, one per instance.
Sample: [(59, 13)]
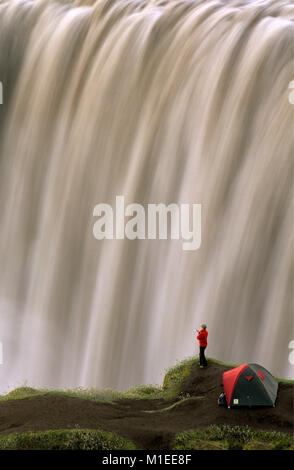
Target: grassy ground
[(107, 395), (74, 439), (158, 404), (212, 438), (232, 438), (170, 389)]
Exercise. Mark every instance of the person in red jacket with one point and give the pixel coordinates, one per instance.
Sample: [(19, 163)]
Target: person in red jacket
[(202, 338)]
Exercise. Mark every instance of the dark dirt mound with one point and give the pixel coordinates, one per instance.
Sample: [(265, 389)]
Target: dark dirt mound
[(146, 422)]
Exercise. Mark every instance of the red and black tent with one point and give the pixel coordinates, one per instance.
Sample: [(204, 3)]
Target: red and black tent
[(250, 385)]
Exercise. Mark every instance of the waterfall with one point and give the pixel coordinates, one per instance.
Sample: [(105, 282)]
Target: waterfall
[(161, 101)]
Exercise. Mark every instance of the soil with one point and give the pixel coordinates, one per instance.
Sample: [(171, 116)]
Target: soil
[(132, 418)]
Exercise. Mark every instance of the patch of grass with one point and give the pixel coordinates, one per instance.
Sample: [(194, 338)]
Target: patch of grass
[(174, 405), (144, 392), (108, 395), (21, 392), (74, 439), (274, 439), (285, 381), (175, 376), (226, 437)]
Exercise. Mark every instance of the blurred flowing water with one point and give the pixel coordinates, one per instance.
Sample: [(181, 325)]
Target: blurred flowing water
[(160, 101)]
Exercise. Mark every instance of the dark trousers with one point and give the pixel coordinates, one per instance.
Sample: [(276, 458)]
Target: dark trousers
[(202, 358)]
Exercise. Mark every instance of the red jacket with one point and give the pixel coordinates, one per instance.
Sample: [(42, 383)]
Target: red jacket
[(202, 338)]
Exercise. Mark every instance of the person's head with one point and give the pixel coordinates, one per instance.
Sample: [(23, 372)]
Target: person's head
[(203, 326)]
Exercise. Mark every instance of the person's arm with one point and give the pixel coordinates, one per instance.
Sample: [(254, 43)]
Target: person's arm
[(200, 335)]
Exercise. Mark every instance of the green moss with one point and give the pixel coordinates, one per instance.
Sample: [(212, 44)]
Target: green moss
[(21, 392), (175, 376), (144, 392), (232, 437), (74, 439), (275, 440), (107, 395), (285, 381)]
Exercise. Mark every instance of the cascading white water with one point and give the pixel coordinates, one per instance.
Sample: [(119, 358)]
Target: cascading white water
[(160, 101)]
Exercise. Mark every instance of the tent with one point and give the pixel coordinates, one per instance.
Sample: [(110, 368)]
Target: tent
[(249, 385)]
